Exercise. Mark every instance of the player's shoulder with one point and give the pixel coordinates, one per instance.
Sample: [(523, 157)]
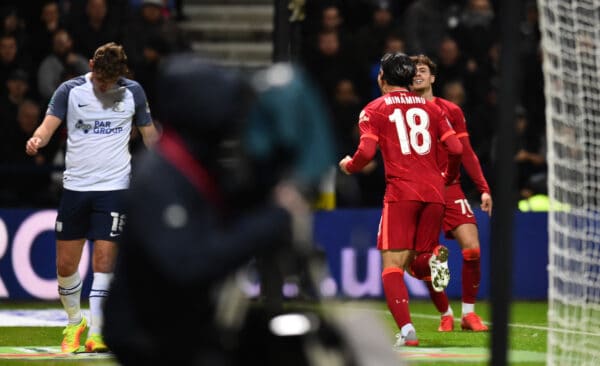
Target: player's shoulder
[(448, 105), (371, 108), (375, 103), (432, 107), (128, 83), (73, 82)]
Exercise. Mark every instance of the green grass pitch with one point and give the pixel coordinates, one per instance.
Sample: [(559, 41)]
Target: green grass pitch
[(527, 330)]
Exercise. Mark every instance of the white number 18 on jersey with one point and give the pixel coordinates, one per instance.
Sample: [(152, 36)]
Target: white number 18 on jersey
[(417, 121)]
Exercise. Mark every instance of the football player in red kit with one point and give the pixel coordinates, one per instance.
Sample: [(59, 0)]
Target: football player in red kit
[(459, 221), (408, 129)]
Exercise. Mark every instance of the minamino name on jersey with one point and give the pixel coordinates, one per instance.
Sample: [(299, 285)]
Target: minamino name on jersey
[(404, 99)]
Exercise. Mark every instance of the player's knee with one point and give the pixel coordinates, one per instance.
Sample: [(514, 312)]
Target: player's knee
[(390, 270), (471, 254)]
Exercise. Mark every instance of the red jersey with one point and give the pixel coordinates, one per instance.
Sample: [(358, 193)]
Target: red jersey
[(408, 130), (469, 158)]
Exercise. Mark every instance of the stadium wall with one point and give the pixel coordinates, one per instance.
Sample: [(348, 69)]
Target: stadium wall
[(27, 252)]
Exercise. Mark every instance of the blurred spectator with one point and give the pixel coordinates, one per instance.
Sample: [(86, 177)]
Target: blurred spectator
[(532, 75), (28, 181), (425, 24), (476, 29), (393, 43), (94, 28), (371, 38), (530, 156), (13, 24), (328, 18), (147, 70), (530, 29), (345, 109), (9, 60), (17, 86), (330, 63), (455, 92), (54, 67), (452, 65), (43, 29), (167, 7), (150, 25)]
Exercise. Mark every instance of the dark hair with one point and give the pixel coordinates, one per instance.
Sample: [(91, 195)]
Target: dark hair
[(422, 59), (398, 69), (110, 61)]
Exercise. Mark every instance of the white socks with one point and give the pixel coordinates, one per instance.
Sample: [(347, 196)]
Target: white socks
[(467, 308), (448, 312), (98, 294), (69, 289), (407, 328)]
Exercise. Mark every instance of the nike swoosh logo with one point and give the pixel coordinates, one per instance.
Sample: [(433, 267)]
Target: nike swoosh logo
[(112, 235), (82, 105)]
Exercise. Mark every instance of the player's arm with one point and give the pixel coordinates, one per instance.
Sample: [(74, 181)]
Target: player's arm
[(150, 134), (41, 136), (367, 148), (471, 162), (473, 169), (364, 154), (454, 149)]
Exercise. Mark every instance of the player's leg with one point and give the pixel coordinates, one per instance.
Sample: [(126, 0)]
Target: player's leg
[(420, 269), (106, 227), (68, 253), (396, 246), (103, 260), (467, 237), (70, 230), (422, 265), (396, 294), (431, 253)]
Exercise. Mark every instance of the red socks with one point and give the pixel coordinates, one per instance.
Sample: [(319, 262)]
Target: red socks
[(396, 295), (471, 274), (419, 267), (439, 299)]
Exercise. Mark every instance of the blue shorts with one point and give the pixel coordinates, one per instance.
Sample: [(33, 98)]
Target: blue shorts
[(96, 215)]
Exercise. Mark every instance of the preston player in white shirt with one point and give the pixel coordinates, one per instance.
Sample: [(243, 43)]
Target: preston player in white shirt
[(100, 109)]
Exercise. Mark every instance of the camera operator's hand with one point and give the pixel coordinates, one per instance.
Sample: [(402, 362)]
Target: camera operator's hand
[(287, 195)]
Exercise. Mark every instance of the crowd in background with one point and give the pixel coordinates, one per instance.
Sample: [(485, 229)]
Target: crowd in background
[(44, 42), (343, 42)]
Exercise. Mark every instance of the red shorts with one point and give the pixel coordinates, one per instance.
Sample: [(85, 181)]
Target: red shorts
[(458, 211), (411, 225)]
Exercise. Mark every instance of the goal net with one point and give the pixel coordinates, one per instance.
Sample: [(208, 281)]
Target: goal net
[(571, 53)]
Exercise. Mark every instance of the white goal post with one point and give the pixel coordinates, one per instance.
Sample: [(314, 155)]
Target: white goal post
[(571, 52)]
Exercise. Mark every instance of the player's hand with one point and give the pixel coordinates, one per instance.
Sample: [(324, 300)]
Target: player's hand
[(486, 203), (343, 164), (32, 145)]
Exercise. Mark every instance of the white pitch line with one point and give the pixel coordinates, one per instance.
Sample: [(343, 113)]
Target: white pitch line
[(514, 325), (520, 325)]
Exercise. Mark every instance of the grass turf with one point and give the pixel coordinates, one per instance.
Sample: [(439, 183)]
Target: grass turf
[(526, 331)]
